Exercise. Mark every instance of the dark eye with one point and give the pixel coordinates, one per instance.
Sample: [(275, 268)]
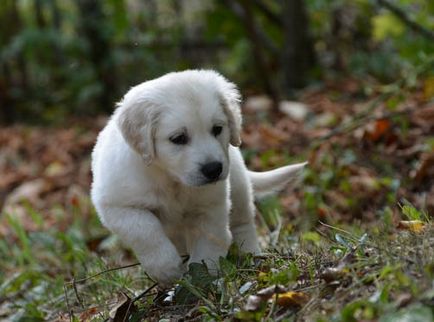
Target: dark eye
[(179, 139), (216, 130)]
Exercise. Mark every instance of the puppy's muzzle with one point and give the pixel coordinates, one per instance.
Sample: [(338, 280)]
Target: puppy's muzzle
[(212, 170)]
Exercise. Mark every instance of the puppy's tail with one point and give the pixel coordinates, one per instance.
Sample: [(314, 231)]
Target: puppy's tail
[(269, 182)]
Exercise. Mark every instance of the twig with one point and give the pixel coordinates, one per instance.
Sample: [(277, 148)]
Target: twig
[(70, 312), (138, 297), (101, 273), (402, 15), (74, 285), (338, 229)]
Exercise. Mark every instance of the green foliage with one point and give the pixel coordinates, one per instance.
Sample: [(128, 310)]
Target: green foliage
[(369, 270), (95, 55)]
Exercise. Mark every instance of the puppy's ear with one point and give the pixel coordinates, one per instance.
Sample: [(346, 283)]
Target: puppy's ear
[(137, 123), (230, 99)]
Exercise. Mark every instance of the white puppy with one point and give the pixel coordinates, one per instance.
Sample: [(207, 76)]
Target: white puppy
[(169, 179)]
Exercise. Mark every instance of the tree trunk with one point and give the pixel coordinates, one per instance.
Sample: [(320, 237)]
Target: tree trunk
[(298, 54), (13, 73), (39, 12), (92, 28), (242, 9)]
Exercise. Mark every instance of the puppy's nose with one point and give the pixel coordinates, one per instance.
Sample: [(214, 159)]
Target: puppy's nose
[(212, 170)]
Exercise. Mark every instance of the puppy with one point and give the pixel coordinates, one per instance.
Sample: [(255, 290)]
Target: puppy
[(168, 177)]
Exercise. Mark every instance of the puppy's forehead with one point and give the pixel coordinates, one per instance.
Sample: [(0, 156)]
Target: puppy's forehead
[(200, 101)]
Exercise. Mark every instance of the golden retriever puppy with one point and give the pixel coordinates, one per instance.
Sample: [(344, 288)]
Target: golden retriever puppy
[(169, 179)]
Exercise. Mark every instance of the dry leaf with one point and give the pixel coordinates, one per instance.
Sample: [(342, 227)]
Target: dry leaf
[(292, 298), (254, 302), (89, 314), (428, 88), (122, 308), (424, 116), (415, 226), (377, 130), (425, 168), (331, 274)]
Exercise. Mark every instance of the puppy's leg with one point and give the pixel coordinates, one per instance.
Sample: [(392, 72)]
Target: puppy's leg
[(210, 237), (242, 220), (143, 232)]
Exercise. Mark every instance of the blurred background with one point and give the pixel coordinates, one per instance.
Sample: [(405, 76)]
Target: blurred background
[(62, 57)]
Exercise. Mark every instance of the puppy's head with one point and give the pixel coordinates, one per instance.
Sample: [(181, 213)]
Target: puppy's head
[(183, 123)]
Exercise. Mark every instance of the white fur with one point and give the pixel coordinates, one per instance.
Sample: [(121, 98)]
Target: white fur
[(152, 193)]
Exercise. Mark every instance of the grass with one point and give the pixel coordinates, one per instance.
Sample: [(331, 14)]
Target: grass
[(330, 273), (345, 247)]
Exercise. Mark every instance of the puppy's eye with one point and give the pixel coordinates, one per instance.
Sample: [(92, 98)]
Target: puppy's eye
[(216, 130), (179, 139)]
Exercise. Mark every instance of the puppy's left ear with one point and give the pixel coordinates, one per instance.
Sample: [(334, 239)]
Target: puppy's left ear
[(230, 99)]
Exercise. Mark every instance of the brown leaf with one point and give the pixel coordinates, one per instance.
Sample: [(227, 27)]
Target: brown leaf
[(30, 190), (415, 226), (292, 298), (425, 168), (331, 274), (376, 130), (254, 302), (122, 308), (424, 116), (89, 314)]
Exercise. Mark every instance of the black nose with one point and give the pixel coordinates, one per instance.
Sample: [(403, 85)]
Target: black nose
[(212, 170)]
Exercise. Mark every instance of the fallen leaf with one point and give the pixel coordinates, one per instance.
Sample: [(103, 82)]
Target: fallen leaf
[(415, 226), (272, 136), (121, 310), (425, 168), (255, 302), (424, 116), (292, 298), (332, 274), (30, 190), (89, 314), (428, 88), (376, 130)]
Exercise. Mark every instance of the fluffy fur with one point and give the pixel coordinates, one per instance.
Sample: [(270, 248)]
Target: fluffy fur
[(169, 179)]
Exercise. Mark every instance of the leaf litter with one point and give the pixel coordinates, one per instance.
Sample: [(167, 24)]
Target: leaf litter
[(360, 164)]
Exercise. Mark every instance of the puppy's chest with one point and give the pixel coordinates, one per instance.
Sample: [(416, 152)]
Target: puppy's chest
[(181, 208), (184, 206)]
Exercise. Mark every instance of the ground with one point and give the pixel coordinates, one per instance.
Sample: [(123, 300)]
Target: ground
[(351, 241)]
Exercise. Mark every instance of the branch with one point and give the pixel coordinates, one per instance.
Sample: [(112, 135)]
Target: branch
[(403, 16)]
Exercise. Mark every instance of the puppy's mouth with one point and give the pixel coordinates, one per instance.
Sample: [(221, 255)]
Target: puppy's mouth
[(203, 182), (199, 181)]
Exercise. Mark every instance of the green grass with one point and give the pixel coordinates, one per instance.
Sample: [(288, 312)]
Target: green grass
[(347, 273)]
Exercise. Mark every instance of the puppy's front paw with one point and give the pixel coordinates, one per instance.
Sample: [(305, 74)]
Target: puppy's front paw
[(165, 270)]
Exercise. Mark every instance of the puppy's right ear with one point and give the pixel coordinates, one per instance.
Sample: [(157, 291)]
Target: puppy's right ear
[(137, 123)]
